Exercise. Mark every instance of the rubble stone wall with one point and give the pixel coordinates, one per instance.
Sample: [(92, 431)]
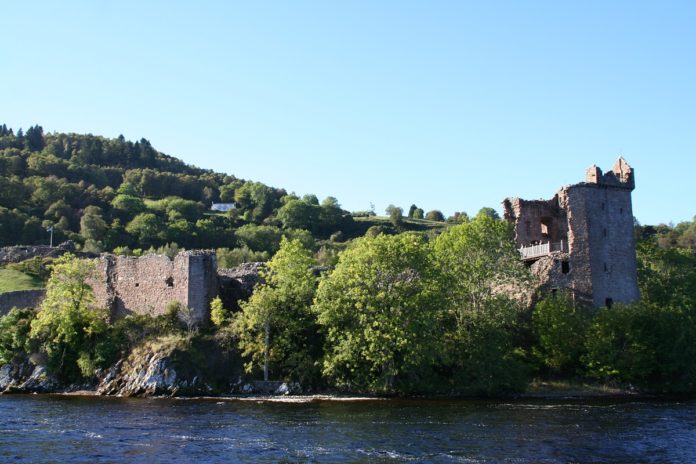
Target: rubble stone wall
[(21, 299)]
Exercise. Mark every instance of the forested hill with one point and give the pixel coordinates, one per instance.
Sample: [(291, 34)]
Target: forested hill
[(107, 194)]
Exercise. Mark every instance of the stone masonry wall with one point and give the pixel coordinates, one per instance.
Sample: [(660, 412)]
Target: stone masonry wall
[(612, 245), (533, 214), (21, 299), (203, 283), (146, 285)]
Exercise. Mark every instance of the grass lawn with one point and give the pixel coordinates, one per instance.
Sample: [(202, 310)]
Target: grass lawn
[(11, 280), (409, 223)]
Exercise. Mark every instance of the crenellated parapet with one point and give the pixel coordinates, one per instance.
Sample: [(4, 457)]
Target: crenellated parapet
[(621, 175)]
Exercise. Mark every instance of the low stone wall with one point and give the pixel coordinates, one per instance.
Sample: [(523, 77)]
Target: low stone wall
[(19, 253), (21, 299)]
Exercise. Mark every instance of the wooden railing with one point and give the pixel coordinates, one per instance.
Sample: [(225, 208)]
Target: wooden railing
[(542, 249)]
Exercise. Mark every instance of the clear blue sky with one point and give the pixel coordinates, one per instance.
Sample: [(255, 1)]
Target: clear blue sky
[(449, 105)]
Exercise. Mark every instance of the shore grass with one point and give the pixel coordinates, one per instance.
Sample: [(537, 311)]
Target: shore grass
[(12, 280)]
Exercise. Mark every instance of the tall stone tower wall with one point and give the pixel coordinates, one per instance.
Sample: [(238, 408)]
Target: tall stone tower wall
[(607, 227), (203, 283)]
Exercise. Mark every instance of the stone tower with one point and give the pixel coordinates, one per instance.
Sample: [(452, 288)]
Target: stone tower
[(582, 239)]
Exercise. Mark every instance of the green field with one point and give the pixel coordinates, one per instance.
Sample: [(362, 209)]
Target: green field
[(11, 280), (408, 223)]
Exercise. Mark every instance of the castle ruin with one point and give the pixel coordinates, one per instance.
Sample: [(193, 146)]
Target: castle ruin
[(147, 284), (581, 240)]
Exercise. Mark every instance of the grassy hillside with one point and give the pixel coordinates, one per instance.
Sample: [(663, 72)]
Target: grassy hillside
[(12, 280)]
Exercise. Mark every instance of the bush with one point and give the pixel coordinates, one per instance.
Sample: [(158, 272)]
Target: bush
[(36, 267), (645, 345), (14, 333), (227, 258), (219, 315), (135, 328), (560, 328)]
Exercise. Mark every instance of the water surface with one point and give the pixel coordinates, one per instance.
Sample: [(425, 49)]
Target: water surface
[(95, 429)]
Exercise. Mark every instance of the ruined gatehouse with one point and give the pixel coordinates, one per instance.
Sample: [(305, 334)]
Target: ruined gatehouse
[(581, 240)]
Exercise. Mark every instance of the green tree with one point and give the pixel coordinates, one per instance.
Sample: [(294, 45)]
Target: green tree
[(645, 345), (379, 311), (480, 269), (311, 199), (69, 330), (34, 138), (299, 214), (147, 228), (489, 212), (227, 193), (560, 328), (12, 192), (396, 215), (256, 200), (127, 206), (14, 333), (666, 276), (259, 238), (93, 227), (331, 216), (276, 328), (458, 218), (435, 215)]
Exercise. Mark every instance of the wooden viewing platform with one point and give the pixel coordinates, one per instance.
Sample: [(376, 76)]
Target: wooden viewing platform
[(542, 249)]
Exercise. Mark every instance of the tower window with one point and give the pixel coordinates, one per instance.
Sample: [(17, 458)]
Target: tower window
[(137, 284), (608, 302), (606, 269), (169, 281), (602, 206), (565, 267), (621, 210), (605, 232)]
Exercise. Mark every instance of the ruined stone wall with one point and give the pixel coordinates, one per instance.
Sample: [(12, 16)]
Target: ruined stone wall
[(595, 219), (147, 284), (21, 299), (536, 221), (19, 253)]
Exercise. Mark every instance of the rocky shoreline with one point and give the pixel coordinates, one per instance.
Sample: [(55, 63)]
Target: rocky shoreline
[(158, 378)]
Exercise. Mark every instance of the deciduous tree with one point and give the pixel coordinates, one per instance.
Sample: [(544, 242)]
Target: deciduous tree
[(276, 329), (379, 310)]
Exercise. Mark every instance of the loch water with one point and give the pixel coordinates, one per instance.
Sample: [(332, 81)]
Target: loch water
[(48, 428)]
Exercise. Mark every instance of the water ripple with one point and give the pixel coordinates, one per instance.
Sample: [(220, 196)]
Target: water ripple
[(96, 430)]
